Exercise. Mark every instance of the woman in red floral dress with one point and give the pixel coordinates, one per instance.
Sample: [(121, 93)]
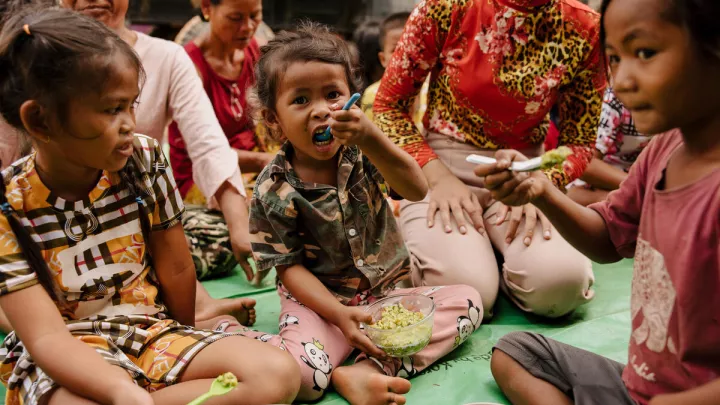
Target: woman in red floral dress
[(497, 67)]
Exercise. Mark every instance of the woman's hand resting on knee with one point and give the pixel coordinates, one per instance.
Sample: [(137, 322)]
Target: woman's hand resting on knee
[(451, 196), (516, 215)]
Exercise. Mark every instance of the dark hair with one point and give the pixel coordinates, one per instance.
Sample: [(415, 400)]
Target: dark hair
[(699, 17), (392, 22), (367, 39), (312, 42), (8, 8), (51, 55), (199, 8)]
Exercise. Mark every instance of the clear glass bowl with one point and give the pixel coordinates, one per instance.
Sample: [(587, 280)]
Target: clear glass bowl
[(408, 340)]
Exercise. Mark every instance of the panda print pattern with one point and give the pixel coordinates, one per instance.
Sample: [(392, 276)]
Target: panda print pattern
[(319, 347), (466, 325)]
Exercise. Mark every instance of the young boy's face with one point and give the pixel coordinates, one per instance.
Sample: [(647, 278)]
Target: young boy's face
[(657, 72), (392, 37), (305, 95)]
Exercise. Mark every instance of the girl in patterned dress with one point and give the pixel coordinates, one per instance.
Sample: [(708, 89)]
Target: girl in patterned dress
[(100, 315)]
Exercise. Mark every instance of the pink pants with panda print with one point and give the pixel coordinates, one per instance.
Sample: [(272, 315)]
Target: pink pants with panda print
[(320, 347)]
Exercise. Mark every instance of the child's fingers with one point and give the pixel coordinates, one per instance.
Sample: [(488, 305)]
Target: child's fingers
[(343, 115), (362, 342), (507, 188), (495, 180), (343, 126), (344, 137), (360, 315), (505, 157), (486, 170), (247, 268)]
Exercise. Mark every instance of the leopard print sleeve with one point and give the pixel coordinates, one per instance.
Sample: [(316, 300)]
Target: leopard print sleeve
[(580, 104), (416, 55)]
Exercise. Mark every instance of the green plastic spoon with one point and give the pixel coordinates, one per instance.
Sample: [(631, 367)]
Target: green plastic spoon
[(221, 386)]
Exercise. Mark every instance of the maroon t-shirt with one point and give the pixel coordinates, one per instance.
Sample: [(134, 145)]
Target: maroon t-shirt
[(230, 104), (674, 236)]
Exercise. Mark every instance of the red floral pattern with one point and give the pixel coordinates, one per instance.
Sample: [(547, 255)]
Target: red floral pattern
[(497, 67)]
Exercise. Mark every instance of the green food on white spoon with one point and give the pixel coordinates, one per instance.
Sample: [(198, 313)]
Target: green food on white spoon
[(555, 157), (221, 386)]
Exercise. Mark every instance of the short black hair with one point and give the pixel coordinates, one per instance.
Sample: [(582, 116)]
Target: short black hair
[(392, 22)]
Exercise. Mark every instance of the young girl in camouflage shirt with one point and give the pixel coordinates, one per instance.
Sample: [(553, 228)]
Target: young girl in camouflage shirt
[(319, 217)]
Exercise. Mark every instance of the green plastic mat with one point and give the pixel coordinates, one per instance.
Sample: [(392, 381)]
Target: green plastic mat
[(602, 326)]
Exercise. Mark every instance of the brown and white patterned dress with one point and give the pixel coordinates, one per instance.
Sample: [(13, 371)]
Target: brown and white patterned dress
[(97, 252)]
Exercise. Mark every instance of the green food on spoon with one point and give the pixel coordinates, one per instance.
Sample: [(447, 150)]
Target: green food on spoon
[(555, 157), (221, 386)]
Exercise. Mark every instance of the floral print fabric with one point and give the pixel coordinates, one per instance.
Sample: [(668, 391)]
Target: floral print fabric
[(496, 69)]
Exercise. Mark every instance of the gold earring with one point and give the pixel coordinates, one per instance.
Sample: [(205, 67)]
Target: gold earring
[(206, 17), (47, 140)]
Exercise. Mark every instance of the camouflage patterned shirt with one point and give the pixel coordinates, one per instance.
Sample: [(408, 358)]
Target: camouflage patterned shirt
[(341, 234)]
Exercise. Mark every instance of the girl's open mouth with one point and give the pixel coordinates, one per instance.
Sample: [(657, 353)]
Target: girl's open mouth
[(322, 137), (125, 150)]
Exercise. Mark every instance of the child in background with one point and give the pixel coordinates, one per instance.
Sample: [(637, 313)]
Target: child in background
[(617, 147), (365, 41), (318, 216), (665, 60), (391, 30), (97, 320)]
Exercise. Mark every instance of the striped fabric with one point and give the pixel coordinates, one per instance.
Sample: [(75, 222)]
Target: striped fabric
[(96, 250)]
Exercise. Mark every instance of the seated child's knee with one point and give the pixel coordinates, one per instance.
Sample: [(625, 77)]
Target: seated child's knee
[(281, 375), (501, 361), (498, 363)]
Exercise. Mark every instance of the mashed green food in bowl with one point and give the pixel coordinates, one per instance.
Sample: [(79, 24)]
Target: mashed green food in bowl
[(402, 325)]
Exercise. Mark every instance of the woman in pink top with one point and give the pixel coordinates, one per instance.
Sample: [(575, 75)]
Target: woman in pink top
[(173, 91)]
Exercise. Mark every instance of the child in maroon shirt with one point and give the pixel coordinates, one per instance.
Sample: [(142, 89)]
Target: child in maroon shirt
[(665, 60)]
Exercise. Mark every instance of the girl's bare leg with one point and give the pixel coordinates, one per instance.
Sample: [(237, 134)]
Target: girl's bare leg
[(61, 396), (266, 374)]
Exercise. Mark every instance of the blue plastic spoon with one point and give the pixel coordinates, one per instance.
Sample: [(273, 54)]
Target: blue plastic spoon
[(327, 135)]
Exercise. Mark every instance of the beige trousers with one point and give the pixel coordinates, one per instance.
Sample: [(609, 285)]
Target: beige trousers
[(548, 278)]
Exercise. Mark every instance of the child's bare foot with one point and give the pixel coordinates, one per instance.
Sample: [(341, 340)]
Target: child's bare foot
[(243, 309), (364, 384)]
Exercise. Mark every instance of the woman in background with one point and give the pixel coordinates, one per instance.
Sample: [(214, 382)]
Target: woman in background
[(224, 56), (197, 26)]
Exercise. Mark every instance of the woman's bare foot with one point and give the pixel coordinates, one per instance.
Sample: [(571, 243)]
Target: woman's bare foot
[(243, 309), (364, 384)]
